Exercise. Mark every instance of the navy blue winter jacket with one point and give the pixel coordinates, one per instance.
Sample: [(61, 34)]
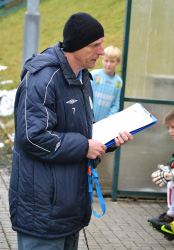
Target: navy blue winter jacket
[(48, 194)]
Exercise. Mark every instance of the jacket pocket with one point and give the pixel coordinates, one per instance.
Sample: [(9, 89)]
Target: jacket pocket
[(54, 192)]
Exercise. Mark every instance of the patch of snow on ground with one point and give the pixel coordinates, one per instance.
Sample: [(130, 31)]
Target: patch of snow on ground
[(7, 98), (7, 81), (3, 67)]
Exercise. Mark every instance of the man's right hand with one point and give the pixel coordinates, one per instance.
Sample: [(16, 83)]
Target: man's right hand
[(96, 149)]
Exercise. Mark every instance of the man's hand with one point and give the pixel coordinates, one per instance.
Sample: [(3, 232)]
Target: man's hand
[(162, 175), (122, 138), (96, 149)]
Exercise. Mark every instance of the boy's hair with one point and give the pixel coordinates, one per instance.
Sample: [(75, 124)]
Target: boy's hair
[(169, 118), (113, 52)]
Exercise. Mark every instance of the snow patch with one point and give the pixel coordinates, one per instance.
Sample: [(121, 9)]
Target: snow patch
[(7, 99)]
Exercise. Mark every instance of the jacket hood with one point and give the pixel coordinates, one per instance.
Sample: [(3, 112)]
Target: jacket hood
[(40, 61), (52, 56)]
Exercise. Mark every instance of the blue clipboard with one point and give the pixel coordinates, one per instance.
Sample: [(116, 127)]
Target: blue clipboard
[(154, 121)]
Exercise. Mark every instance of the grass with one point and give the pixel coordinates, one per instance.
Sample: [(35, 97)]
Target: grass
[(53, 15)]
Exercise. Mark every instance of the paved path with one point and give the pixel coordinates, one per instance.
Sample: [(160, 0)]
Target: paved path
[(124, 226)]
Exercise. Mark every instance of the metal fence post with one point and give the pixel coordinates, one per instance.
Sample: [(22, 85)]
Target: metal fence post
[(31, 30), (124, 68)]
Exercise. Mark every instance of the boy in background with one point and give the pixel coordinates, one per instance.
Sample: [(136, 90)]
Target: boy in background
[(165, 174), (107, 85)]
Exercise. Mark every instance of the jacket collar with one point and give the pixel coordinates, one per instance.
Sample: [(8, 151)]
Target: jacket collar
[(67, 70)]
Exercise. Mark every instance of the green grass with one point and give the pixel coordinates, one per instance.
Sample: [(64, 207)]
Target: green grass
[(53, 15)]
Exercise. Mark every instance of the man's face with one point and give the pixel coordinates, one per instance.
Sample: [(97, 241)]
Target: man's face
[(87, 56), (170, 127)]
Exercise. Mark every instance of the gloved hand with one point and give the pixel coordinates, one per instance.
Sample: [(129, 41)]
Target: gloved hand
[(162, 175)]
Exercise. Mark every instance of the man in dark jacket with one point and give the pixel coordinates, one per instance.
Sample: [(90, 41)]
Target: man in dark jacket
[(48, 195)]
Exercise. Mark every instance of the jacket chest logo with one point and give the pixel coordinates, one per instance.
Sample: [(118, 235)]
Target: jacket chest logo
[(72, 101)]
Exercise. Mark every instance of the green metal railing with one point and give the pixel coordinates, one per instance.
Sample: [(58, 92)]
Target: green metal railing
[(4, 12), (124, 70), (115, 191)]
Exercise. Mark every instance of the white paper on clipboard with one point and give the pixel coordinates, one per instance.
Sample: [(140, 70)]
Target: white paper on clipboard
[(132, 119)]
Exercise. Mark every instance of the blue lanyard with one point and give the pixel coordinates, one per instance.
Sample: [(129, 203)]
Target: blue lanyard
[(93, 179), (79, 75)]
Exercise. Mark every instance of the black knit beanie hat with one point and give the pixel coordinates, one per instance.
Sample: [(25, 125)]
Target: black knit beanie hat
[(80, 30)]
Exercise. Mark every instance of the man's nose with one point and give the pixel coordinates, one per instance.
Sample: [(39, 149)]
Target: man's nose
[(101, 50)]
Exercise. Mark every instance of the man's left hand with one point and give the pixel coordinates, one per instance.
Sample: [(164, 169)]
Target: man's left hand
[(122, 138)]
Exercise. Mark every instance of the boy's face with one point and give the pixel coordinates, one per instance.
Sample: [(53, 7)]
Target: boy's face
[(170, 127), (109, 65)]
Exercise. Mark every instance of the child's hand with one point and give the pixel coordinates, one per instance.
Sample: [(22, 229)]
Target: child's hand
[(162, 175)]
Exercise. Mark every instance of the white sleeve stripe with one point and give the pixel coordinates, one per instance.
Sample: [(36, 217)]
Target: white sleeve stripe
[(48, 85), (45, 101), (45, 109), (47, 117)]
